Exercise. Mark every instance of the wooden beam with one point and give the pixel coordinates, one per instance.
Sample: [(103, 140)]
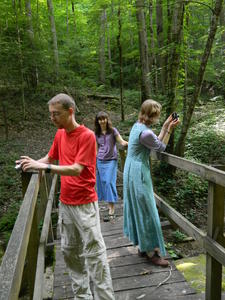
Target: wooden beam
[(206, 172), (182, 222), (101, 96), (215, 226), (214, 249), (39, 278), (14, 258)]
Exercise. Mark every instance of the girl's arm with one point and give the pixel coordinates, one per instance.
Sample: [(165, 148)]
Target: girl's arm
[(121, 141), (169, 130), (164, 130)]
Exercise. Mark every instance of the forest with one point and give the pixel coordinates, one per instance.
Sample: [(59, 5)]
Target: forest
[(112, 55)]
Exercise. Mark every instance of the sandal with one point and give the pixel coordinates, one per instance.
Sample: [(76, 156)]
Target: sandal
[(157, 260), (109, 217), (142, 254)]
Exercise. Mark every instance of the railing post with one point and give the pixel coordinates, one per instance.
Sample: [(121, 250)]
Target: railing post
[(32, 250), (216, 195), (25, 178), (122, 155)]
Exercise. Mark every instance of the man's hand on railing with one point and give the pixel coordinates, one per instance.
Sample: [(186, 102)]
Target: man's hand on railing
[(28, 163)]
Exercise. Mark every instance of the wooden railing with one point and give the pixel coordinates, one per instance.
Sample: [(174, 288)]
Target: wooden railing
[(23, 264), (213, 240)]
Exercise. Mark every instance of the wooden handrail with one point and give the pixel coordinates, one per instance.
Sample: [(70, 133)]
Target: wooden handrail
[(20, 248), (14, 258), (206, 172), (39, 278)]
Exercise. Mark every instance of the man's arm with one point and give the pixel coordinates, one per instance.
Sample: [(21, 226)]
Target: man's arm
[(72, 170), (46, 159), (44, 164)]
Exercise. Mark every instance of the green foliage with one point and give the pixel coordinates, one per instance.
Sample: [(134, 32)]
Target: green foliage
[(172, 252), (211, 150), (178, 236), (8, 178), (186, 192), (208, 127), (7, 222), (9, 190)]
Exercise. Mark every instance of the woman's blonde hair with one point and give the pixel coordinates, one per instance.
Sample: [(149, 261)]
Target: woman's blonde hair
[(150, 109)]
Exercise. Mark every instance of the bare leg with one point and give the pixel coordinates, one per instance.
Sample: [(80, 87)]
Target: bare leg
[(111, 208)]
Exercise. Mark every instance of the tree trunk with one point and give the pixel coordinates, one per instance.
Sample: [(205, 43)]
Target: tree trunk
[(74, 16), (222, 24), (174, 55), (38, 18), (30, 25), (143, 48), (67, 17), (160, 39), (131, 34), (20, 56), (174, 61), (120, 61), (20, 5), (54, 35), (168, 41), (5, 119), (185, 100), (33, 71), (102, 47), (198, 83), (109, 52), (152, 58)]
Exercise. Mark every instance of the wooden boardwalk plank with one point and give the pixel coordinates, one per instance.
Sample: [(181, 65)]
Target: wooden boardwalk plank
[(133, 277)]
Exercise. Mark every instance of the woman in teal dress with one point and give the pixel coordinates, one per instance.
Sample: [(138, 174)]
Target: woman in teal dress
[(141, 220)]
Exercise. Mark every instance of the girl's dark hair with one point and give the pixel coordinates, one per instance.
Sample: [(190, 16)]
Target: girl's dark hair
[(101, 115)]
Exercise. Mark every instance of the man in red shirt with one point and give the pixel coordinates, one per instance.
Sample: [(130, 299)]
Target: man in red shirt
[(82, 243)]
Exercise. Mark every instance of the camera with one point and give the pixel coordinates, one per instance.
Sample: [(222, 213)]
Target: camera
[(175, 116), (18, 167)]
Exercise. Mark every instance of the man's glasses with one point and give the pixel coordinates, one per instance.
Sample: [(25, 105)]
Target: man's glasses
[(54, 114)]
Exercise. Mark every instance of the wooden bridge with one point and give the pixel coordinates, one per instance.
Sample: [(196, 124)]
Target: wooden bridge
[(23, 264)]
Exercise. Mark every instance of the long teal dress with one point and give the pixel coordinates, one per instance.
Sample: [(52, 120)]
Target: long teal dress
[(141, 219)]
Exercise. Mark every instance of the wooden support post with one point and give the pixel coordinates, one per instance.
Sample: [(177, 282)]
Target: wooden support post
[(32, 253), (32, 250), (216, 194), (25, 178), (122, 157)]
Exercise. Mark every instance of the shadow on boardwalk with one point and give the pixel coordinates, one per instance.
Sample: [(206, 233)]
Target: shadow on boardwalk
[(133, 277)]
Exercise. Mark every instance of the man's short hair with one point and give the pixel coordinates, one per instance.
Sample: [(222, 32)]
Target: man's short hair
[(65, 100)]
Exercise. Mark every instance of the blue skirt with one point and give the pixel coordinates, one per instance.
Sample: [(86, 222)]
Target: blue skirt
[(106, 180)]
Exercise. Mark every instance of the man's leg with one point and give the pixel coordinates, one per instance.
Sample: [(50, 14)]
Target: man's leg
[(72, 249), (100, 274), (87, 219)]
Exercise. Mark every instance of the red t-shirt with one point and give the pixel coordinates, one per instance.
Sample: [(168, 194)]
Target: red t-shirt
[(77, 146)]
